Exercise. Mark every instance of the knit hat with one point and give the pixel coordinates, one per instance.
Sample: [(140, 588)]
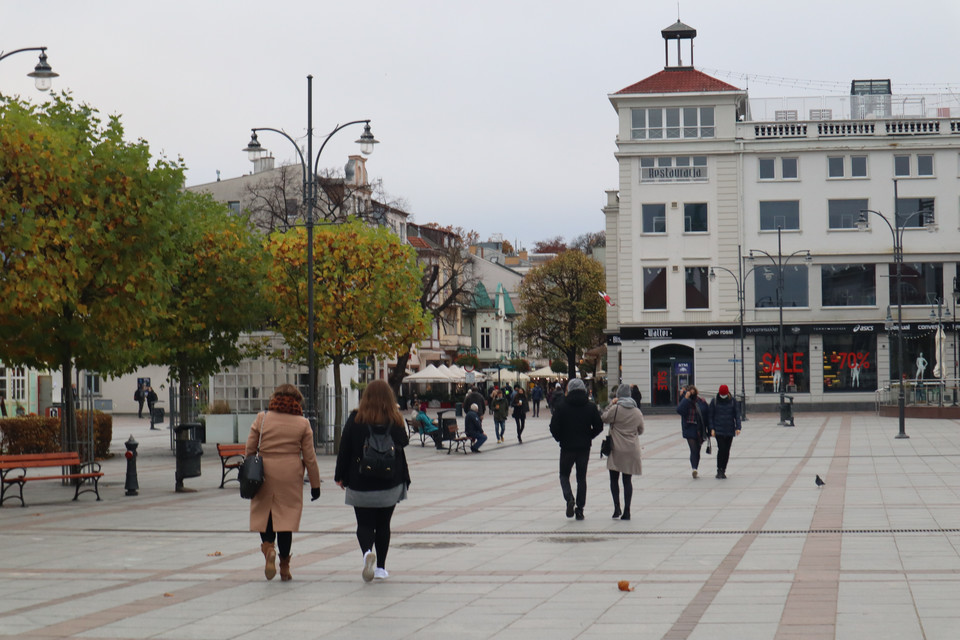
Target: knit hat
[(623, 391), (558, 385), (474, 407), (576, 385), (724, 391)]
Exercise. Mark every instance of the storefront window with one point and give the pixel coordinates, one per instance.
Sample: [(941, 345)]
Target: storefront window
[(790, 371), (921, 282), (850, 362), (843, 285), (795, 290)]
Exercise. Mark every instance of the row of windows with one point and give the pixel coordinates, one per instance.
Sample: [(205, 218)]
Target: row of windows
[(785, 214), (841, 285), (672, 123), (787, 167), (13, 383)]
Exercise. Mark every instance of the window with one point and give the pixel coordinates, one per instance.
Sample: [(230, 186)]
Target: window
[(784, 214), (91, 384), (234, 206), (924, 165), (654, 218), (787, 371), (921, 282), (655, 288), (858, 166), (848, 285), (843, 214), (695, 217), (795, 292), (850, 362), (18, 383), (901, 166), (835, 167), (697, 287), (915, 212), (485, 338), (789, 168), (688, 122), (768, 169)]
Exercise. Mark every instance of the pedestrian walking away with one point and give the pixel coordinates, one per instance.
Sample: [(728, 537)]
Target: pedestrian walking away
[(285, 441), (724, 416), (626, 426), (635, 394), (520, 408), (536, 396), (374, 492), (474, 429), (500, 407), (693, 412), (140, 395), (575, 423), (475, 397), (152, 399)]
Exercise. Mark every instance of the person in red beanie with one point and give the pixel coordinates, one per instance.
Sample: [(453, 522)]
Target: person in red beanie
[(724, 426)]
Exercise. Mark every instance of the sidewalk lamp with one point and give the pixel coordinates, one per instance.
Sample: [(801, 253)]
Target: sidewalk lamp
[(740, 281), (896, 230), (42, 74), (309, 165), (786, 412)]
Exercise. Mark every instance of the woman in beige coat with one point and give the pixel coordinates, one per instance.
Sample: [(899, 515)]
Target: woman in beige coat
[(626, 425), (285, 441)]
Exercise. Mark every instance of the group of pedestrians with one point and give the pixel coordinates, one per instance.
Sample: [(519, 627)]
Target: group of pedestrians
[(699, 421)]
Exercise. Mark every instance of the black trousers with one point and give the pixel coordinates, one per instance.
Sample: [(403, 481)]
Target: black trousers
[(373, 530), (723, 451), (521, 421), (627, 489), (284, 539), (567, 461)]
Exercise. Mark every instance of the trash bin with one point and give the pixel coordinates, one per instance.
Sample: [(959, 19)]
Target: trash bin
[(156, 415), (188, 452), (786, 412), (459, 409)]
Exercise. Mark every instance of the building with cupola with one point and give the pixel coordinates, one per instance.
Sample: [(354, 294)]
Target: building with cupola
[(754, 242)]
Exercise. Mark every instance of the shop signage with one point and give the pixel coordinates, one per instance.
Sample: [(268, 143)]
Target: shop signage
[(726, 332), (674, 174)]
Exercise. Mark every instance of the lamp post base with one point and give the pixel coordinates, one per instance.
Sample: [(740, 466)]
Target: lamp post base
[(902, 436)]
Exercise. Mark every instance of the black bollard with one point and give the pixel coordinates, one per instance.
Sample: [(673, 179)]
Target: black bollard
[(132, 486)]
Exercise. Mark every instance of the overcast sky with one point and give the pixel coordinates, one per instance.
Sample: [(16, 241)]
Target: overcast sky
[(492, 115)]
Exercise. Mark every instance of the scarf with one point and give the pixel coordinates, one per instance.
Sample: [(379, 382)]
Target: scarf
[(285, 404)]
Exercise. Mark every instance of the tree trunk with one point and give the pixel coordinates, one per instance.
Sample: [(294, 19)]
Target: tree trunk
[(571, 364), (338, 403), (398, 373), (69, 418)]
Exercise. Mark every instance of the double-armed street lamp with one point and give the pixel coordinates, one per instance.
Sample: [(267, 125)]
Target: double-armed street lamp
[(896, 230), (309, 165), (42, 74), (740, 281), (786, 412)]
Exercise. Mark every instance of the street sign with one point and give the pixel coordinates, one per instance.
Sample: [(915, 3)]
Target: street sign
[(470, 377), (734, 360)]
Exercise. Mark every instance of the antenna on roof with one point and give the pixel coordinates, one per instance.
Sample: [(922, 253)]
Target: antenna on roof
[(678, 10)]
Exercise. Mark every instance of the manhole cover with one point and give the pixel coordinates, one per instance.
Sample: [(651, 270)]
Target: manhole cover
[(573, 539), (431, 545)]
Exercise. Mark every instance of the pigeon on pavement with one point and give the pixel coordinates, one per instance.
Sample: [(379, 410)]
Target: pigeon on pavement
[(820, 481)]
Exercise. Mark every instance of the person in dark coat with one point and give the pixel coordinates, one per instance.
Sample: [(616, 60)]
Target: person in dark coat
[(140, 395), (373, 499), (474, 429), (635, 394), (555, 396), (693, 412), (152, 399), (520, 406), (3, 407), (475, 397), (575, 423), (536, 396), (724, 416)]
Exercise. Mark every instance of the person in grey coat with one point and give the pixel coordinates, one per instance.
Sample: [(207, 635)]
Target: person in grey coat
[(626, 425)]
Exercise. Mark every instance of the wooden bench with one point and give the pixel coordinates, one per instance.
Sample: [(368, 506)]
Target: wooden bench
[(457, 441), (231, 459), (13, 471)]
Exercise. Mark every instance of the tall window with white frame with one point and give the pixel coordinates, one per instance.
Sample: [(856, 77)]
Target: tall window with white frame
[(695, 217), (654, 218), (485, 338), (654, 288), (18, 383), (697, 287)]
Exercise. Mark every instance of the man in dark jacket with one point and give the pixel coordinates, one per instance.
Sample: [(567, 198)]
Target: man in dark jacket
[(575, 423), (724, 426), (475, 397), (473, 428)]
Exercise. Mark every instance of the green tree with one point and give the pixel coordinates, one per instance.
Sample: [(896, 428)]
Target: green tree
[(561, 308), (217, 293), (366, 296), (85, 242)]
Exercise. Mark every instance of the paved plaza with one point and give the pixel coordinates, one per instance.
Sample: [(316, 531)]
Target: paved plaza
[(482, 548)]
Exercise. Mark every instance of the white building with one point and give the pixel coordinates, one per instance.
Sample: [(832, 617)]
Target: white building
[(707, 175)]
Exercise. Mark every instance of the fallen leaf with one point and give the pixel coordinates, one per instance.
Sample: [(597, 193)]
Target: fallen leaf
[(215, 554), (168, 595), (624, 585)]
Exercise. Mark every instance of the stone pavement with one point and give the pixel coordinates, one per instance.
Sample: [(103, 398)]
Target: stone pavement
[(482, 548)]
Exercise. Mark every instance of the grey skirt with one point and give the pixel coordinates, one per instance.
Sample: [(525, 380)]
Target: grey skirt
[(372, 499)]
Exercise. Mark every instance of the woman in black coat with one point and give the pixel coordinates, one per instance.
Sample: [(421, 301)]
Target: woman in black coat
[(724, 426), (520, 408), (693, 412), (373, 499)]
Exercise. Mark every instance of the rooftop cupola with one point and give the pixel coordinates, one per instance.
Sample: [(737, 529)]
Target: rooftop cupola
[(679, 32)]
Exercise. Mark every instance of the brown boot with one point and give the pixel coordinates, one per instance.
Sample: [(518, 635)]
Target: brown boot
[(285, 568), (270, 555)]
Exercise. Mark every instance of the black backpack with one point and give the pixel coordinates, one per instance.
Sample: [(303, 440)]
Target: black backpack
[(378, 459)]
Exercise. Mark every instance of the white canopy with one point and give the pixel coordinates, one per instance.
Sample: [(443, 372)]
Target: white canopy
[(429, 373), (546, 372), (459, 374), (511, 377)]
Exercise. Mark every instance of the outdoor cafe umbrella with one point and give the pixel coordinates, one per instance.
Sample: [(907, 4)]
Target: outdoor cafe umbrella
[(939, 368)]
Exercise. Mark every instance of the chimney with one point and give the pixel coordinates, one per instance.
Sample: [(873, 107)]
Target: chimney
[(263, 164)]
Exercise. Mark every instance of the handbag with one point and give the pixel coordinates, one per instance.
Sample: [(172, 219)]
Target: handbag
[(251, 471), (606, 447)]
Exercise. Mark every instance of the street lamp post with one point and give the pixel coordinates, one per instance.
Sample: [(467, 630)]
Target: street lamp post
[(740, 281), (786, 415), (956, 360), (896, 230), (42, 74), (309, 165)]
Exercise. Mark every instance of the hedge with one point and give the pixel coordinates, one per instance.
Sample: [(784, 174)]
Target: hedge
[(38, 434)]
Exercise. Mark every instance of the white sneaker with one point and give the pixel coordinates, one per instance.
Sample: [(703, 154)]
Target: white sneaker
[(369, 563), (380, 574)]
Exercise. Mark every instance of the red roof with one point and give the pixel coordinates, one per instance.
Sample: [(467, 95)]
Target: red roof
[(678, 81), (418, 242)]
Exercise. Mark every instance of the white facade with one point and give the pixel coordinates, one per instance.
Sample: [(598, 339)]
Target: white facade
[(702, 183)]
